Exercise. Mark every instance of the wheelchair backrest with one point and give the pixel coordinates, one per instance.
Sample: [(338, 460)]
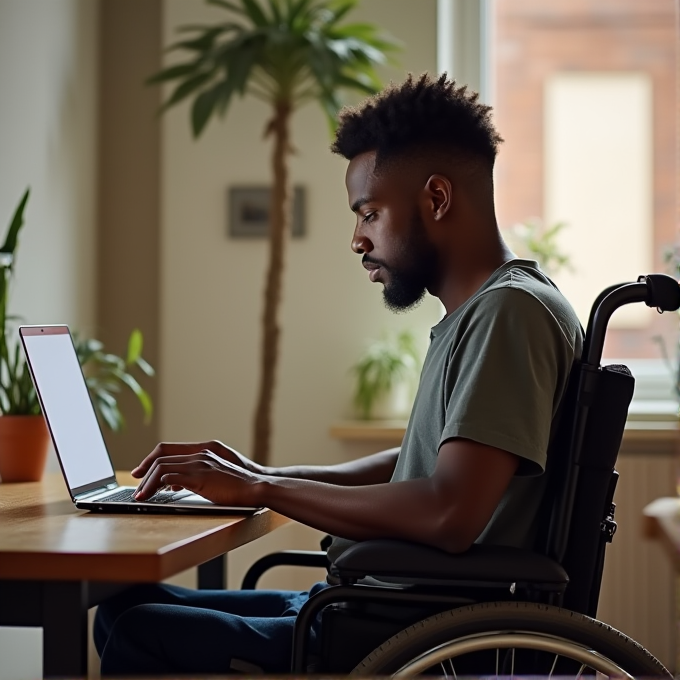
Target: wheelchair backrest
[(582, 478)]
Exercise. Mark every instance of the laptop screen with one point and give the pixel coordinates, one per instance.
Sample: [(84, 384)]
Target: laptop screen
[(66, 404)]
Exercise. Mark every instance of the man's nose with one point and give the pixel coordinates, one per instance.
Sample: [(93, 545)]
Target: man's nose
[(361, 244)]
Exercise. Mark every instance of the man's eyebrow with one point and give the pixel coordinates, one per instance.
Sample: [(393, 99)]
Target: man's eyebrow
[(361, 201)]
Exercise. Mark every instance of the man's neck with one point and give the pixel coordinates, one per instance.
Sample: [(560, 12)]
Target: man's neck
[(468, 276)]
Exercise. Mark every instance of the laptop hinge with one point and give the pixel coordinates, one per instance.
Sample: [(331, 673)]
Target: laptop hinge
[(95, 492)]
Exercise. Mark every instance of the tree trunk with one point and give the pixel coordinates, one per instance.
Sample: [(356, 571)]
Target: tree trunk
[(279, 222)]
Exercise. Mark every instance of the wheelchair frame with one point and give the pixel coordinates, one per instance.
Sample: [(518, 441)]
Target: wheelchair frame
[(583, 504)]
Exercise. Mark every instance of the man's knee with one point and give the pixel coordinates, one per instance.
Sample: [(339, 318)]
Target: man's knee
[(133, 644), (110, 610)]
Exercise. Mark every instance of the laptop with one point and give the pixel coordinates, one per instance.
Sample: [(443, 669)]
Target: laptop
[(77, 437)]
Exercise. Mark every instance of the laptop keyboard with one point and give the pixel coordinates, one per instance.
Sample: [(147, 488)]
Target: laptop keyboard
[(127, 495)]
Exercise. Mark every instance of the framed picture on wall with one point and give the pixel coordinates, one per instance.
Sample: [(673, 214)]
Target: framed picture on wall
[(248, 210)]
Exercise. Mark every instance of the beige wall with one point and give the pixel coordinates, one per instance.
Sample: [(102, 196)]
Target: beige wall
[(211, 285), (48, 126), (48, 142), (48, 129)]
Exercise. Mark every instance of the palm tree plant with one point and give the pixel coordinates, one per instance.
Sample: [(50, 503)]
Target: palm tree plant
[(286, 53)]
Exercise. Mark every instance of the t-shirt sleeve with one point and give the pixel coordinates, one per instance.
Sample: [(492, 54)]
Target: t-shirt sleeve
[(506, 375)]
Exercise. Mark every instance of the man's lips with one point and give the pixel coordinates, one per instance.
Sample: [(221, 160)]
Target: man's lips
[(373, 270)]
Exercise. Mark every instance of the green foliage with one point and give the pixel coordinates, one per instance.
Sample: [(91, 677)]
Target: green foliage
[(384, 363), (106, 374), (17, 396), (285, 52), (533, 240)]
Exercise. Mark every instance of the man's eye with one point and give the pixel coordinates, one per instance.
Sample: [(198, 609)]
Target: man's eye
[(369, 218)]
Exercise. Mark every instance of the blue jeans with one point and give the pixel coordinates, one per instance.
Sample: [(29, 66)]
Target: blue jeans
[(159, 629)]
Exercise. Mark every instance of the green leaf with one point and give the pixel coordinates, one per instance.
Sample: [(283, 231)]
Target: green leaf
[(340, 9), (254, 11), (140, 393), (173, 72), (187, 87), (145, 367), (296, 9), (202, 109), (15, 225), (225, 4), (204, 42), (240, 65), (275, 10), (357, 83), (111, 415), (135, 345)]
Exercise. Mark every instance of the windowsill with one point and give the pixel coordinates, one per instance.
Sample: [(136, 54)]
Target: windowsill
[(647, 420)]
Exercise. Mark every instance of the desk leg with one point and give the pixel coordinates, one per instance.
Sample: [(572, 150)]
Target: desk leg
[(212, 575), (64, 619)]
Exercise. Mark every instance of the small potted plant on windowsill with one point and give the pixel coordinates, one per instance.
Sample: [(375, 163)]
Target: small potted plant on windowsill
[(24, 439), (385, 378)]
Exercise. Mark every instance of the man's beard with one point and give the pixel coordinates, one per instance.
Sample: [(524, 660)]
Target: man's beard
[(408, 280)]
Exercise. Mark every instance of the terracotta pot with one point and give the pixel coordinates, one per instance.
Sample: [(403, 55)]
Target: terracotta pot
[(24, 442)]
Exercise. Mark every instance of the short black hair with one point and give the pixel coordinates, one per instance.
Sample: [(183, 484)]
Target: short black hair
[(418, 116)]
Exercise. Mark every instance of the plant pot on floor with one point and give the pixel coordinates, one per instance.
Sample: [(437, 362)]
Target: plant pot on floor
[(24, 442)]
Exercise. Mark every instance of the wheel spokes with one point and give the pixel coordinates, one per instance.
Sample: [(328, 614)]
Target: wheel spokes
[(559, 647)]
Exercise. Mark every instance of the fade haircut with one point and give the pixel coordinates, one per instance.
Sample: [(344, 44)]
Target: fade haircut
[(419, 117)]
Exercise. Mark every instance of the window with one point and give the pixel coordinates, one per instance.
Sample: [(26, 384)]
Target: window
[(585, 96)]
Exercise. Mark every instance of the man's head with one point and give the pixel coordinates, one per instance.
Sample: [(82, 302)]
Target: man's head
[(421, 160)]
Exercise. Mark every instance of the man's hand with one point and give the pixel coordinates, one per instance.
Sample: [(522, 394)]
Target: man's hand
[(205, 473), (171, 449)]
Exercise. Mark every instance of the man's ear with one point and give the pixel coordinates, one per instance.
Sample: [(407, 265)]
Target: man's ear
[(439, 194)]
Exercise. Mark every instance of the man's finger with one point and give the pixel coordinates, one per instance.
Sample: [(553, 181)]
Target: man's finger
[(165, 449), (167, 460), (180, 481), (152, 481), (144, 466)]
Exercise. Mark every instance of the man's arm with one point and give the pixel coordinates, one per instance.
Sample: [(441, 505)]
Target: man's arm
[(447, 510), (373, 469)]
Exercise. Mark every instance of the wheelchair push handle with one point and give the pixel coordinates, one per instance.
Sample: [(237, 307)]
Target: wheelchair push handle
[(659, 291), (663, 292)]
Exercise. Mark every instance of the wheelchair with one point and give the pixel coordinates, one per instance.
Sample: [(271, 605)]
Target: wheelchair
[(404, 609)]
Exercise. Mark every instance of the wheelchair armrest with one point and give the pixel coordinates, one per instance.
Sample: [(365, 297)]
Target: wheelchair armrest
[(481, 565), (293, 558)]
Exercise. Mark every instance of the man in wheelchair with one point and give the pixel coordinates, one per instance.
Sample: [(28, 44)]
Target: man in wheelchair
[(470, 468)]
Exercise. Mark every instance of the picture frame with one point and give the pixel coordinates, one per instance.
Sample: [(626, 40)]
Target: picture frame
[(248, 211)]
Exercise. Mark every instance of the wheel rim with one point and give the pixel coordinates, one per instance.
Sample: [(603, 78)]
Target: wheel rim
[(508, 640)]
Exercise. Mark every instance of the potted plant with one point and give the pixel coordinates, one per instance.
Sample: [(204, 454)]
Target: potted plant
[(532, 239), (385, 377), (286, 53), (24, 438)]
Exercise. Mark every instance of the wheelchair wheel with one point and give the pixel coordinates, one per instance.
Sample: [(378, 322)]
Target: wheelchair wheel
[(511, 638)]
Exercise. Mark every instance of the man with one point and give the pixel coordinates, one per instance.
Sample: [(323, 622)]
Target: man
[(420, 181)]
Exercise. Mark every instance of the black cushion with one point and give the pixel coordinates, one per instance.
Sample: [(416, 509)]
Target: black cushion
[(481, 564)]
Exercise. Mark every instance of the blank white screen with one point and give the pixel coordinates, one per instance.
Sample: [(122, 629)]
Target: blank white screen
[(67, 406)]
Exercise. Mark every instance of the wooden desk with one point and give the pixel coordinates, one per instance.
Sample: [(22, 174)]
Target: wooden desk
[(57, 561), (662, 521)]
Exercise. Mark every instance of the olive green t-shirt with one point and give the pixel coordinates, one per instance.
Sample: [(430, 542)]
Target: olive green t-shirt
[(495, 373)]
